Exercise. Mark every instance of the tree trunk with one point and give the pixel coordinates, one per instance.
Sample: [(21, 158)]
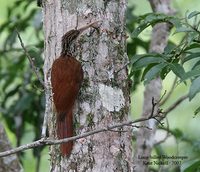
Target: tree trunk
[(7, 163), (145, 137), (104, 95)]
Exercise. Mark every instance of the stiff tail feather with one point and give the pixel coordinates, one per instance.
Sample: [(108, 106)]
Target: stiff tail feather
[(64, 130)]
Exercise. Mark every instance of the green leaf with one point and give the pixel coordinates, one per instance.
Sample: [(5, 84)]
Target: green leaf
[(191, 166), (136, 79), (176, 22), (191, 74), (8, 82), (139, 29), (192, 14), (177, 69), (194, 88), (150, 20), (23, 103), (147, 61), (11, 93), (191, 56), (153, 72), (196, 65), (183, 29), (192, 46), (169, 48), (177, 133), (136, 57), (197, 111), (192, 37), (147, 69), (164, 72)]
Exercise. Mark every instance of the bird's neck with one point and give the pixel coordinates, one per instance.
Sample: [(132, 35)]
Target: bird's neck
[(70, 50), (68, 42)]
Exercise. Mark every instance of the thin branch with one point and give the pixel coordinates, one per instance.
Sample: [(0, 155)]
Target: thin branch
[(159, 112), (167, 135), (48, 141), (93, 24), (170, 92), (48, 104), (162, 97), (153, 107), (175, 104), (123, 67), (35, 70)]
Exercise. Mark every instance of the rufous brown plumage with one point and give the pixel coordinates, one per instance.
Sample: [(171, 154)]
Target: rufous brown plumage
[(66, 79)]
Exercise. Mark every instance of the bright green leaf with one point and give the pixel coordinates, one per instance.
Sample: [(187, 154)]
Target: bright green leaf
[(194, 88), (192, 37), (177, 69), (191, 166), (197, 111), (191, 56), (169, 48), (196, 65), (139, 29), (153, 72), (176, 22), (183, 29), (192, 14), (191, 74), (146, 61), (150, 20), (137, 57), (192, 46)]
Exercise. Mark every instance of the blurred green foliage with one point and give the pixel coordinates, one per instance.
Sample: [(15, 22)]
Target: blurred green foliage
[(174, 56), (22, 96), (183, 60), (133, 44)]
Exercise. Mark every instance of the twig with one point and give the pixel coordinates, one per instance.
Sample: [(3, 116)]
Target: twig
[(157, 117), (35, 70), (175, 104), (170, 92), (48, 104), (125, 65), (48, 141), (167, 135), (142, 126), (44, 126), (162, 97), (158, 120), (153, 107), (93, 24)]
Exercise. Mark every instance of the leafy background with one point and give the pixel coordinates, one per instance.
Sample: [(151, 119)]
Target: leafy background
[(183, 124), (22, 96)]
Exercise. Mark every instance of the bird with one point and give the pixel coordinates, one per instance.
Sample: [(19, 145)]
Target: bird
[(66, 80)]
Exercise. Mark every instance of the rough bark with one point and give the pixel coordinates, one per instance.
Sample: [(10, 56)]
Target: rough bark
[(8, 163), (145, 137), (104, 96)]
